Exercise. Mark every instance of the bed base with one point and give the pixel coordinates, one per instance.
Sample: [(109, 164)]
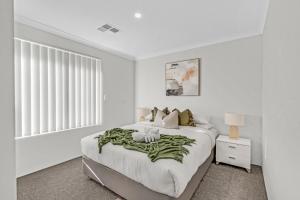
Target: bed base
[(132, 190)]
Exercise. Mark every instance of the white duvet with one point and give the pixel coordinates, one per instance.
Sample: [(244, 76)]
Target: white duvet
[(166, 176)]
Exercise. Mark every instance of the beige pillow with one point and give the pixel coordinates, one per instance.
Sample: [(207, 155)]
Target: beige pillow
[(154, 111), (166, 121), (158, 120), (171, 120)]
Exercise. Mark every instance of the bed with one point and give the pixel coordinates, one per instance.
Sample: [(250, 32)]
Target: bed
[(132, 175)]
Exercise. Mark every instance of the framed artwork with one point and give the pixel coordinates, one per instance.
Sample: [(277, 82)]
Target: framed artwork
[(183, 78)]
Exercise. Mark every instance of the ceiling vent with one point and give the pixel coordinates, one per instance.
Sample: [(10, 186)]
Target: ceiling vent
[(114, 30), (107, 27)]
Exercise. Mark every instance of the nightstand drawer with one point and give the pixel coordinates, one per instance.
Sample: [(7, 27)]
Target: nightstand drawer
[(236, 150), (233, 159)]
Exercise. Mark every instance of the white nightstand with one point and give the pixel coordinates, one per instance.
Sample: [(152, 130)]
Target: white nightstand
[(234, 152)]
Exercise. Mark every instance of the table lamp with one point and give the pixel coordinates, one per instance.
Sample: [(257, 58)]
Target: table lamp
[(234, 120), (142, 113)]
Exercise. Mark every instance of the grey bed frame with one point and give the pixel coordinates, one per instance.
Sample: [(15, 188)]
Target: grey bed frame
[(132, 190)]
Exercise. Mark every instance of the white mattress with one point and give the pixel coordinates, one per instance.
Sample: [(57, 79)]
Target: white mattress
[(166, 176)]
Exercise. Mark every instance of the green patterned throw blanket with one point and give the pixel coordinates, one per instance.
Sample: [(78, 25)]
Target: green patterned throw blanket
[(167, 147)]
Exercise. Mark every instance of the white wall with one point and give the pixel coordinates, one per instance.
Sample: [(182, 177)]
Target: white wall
[(281, 100), (231, 75), (39, 152), (7, 144)]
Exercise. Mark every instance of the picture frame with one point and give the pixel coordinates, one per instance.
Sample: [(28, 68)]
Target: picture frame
[(182, 78)]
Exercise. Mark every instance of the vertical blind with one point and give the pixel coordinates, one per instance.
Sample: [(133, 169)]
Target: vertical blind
[(55, 89)]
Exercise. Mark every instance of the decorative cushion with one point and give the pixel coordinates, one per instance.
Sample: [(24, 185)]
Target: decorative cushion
[(166, 121), (171, 120), (158, 121), (154, 111), (185, 118)]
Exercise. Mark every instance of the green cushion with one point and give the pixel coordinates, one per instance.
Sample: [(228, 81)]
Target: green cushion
[(185, 118)]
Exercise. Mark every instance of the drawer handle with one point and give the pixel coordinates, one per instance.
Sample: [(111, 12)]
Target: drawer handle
[(232, 147), (233, 158)]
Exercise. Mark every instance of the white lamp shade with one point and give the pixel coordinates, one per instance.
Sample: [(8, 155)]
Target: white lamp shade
[(234, 119), (142, 112)]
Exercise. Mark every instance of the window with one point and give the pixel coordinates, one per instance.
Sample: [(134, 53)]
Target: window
[(55, 89)]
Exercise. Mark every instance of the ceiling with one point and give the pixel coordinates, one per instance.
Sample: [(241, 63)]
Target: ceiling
[(166, 25)]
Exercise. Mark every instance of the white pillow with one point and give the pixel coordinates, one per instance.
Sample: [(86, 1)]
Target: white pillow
[(200, 119), (205, 126), (169, 121)]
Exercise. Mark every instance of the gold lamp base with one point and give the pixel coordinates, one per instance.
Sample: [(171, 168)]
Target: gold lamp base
[(234, 132), (142, 118)]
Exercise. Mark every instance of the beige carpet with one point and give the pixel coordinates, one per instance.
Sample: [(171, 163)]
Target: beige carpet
[(67, 182)]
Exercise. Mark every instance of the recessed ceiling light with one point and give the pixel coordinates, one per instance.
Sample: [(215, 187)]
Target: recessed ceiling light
[(138, 15)]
